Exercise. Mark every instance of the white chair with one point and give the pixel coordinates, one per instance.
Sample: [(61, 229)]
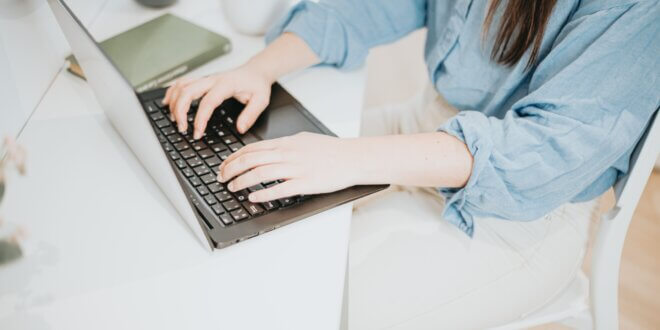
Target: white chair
[(572, 306)]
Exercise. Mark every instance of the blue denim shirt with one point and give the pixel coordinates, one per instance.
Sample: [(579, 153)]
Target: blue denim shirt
[(562, 131)]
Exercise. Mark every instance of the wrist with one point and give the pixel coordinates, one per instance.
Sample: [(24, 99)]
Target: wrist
[(285, 54), (263, 70), (364, 162)]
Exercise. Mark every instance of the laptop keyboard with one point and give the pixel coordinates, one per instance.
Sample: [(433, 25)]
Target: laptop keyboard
[(199, 160)]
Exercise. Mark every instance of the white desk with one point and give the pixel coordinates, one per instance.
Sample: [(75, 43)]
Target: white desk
[(105, 249)]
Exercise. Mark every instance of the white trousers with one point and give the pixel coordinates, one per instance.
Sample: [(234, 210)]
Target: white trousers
[(410, 269)]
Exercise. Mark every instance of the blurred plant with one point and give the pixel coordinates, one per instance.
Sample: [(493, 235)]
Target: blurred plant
[(10, 235)]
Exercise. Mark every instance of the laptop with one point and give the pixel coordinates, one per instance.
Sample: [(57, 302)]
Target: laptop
[(185, 169)]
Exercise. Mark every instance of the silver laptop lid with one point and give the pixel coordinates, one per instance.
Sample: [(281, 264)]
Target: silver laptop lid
[(121, 105)]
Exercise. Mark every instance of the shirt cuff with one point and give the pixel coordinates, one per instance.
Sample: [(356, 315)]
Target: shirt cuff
[(321, 31), (466, 126)]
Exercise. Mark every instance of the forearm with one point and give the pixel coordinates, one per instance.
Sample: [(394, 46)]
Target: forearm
[(428, 159), (287, 53)]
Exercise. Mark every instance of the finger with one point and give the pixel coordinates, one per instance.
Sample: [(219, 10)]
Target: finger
[(249, 115), (168, 92), (211, 100), (246, 162), (285, 189), (175, 85), (260, 174), (253, 147), (174, 96), (242, 97), (189, 93)]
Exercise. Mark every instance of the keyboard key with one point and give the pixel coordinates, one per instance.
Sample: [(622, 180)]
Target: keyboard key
[(222, 132), (202, 170), (256, 187), (174, 138), (195, 161), (208, 178), (253, 208), (242, 195), (180, 163), (271, 205), (189, 135), (206, 153), (183, 145), (195, 181), (156, 116), (211, 140), (218, 147), (239, 214), (191, 118), (248, 138), (198, 145), (159, 103), (213, 161), (161, 138), (223, 196), (226, 218), (169, 130), (215, 187), (235, 146), (168, 146), (202, 190), (231, 204), (286, 201), (224, 154), (162, 123), (210, 199), (188, 172), (186, 154), (151, 107), (217, 209), (174, 155), (229, 139), (270, 184)]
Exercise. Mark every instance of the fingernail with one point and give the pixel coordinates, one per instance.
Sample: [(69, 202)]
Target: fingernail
[(231, 186), (241, 128), (252, 198), (197, 135), (219, 176)]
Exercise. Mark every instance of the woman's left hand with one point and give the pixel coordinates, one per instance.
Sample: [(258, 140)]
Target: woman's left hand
[(309, 163)]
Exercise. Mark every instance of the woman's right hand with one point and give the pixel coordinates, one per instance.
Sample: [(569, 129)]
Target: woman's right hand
[(247, 84)]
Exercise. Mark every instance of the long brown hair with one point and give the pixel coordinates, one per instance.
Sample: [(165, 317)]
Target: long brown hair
[(522, 26)]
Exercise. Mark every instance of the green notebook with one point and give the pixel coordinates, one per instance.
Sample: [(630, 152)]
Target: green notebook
[(160, 50)]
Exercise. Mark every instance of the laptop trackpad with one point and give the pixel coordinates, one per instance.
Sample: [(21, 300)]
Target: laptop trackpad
[(282, 121)]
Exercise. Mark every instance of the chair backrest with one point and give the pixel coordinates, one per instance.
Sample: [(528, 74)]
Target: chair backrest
[(629, 188), (613, 228)]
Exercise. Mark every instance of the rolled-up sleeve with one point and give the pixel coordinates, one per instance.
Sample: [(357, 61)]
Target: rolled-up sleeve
[(341, 32), (570, 138)]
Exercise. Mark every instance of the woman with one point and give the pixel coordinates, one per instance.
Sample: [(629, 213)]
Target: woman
[(534, 109)]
